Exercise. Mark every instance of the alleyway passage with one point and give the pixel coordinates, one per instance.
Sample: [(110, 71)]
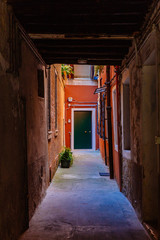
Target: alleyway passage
[(82, 205)]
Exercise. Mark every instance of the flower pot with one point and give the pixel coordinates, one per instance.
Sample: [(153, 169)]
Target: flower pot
[(65, 164)]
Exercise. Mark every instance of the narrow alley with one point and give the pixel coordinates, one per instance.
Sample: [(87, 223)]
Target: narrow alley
[(82, 77), (81, 204)]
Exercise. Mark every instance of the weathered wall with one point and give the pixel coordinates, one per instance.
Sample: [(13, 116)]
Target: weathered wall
[(36, 124), (82, 95), (13, 191), (139, 172), (132, 179), (126, 154), (116, 164), (56, 139), (23, 133), (150, 178)]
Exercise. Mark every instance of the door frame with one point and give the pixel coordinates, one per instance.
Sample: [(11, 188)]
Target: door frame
[(93, 110)]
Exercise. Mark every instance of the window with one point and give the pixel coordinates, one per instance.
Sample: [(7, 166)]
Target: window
[(126, 117), (115, 118), (49, 100), (40, 74), (106, 121), (56, 101)]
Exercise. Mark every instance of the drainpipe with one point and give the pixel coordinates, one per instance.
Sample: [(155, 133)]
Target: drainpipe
[(109, 123), (118, 125)]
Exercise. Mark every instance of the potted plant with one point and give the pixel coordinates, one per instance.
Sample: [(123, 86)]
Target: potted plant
[(66, 69), (66, 158)]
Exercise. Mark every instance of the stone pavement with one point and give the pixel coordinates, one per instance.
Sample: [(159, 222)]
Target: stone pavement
[(82, 205)]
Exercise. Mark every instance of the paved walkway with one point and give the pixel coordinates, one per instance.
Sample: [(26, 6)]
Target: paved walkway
[(81, 205)]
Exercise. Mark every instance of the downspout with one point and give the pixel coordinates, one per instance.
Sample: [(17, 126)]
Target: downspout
[(118, 126), (109, 123)]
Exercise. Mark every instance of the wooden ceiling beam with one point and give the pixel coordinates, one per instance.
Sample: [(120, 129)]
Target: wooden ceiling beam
[(90, 51), (83, 56), (80, 8), (77, 1), (88, 19), (81, 29), (83, 42), (76, 22), (95, 61), (85, 47)]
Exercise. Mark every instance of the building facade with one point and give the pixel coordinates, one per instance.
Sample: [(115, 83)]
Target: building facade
[(81, 110), (134, 98)]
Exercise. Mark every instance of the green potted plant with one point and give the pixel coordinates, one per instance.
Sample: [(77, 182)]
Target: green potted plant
[(66, 158), (68, 69)]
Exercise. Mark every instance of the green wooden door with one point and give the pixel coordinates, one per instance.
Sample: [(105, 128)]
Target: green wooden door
[(82, 130)]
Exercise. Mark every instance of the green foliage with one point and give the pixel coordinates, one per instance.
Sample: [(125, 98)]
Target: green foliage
[(98, 69), (66, 155), (66, 68)]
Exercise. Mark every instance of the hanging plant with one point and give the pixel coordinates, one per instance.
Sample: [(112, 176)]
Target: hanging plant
[(66, 68)]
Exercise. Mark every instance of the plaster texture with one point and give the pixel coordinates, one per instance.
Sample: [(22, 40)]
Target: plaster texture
[(80, 204), (23, 129), (55, 133)]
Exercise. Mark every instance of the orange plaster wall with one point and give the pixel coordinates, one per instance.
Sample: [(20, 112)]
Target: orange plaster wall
[(115, 153), (81, 94), (101, 142)]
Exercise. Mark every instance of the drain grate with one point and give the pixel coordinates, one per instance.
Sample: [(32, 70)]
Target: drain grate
[(104, 174)]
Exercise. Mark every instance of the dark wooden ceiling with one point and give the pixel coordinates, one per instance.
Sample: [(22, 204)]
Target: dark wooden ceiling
[(88, 31)]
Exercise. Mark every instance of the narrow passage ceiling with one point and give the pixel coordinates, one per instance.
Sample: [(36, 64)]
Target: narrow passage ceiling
[(82, 31)]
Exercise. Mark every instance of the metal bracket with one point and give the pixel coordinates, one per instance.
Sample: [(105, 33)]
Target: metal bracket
[(157, 140)]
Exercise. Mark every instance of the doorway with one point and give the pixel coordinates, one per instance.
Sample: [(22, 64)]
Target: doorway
[(83, 128)]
